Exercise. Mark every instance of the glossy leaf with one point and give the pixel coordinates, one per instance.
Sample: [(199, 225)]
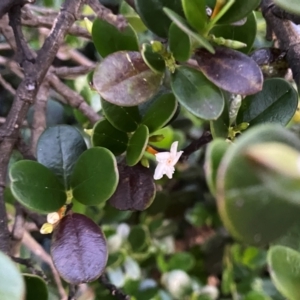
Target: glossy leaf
[(248, 208), (179, 43), (138, 238), (160, 112), (195, 12), (136, 188), (137, 145), (108, 39), (95, 176), (124, 79), (291, 6), (214, 154), (12, 286), (245, 33), (230, 70), (196, 93), (58, 149), (123, 118), (107, 136), (77, 234), (181, 23), (285, 272), (153, 60), (35, 287), (36, 187), (276, 103), (160, 23), (238, 11)]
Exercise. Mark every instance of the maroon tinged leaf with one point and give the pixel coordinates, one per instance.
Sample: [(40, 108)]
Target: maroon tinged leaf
[(230, 70), (78, 249), (136, 188)]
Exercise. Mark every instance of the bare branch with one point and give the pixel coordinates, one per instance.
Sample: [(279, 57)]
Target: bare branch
[(71, 72), (7, 85)]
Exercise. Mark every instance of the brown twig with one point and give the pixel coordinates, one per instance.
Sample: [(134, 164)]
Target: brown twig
[(7, 85), (71, 72), (112, 288)]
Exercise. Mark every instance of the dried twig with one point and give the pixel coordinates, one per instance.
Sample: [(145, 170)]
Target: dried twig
[(112, 288)]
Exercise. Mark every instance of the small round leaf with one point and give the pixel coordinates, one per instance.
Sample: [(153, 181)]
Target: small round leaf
[(95, 176), (58, 149), (153, 60), (124, 79), (36, 187), (136, 188), (78, 249), (138, 238), (137, 145), (107, 136)]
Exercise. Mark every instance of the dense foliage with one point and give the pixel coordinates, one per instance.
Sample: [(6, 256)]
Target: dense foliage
[(149, 149)]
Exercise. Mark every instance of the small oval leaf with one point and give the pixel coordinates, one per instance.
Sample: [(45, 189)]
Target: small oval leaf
[(36, 187), (78, 249), (58, 149), (95, 176), (230, 70), (137, 145), (196, 93), (124, 79), (136, 188), (108, 39), (160, 112), (107, 136), (276, 103), (123, 118), (153, 60), (35, 287)]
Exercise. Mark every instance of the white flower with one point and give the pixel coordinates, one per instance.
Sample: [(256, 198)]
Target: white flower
[(166, 162)]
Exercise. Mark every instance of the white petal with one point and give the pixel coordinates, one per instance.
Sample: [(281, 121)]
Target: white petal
[(159, 171), (174, 148), (162, 156), (169, 172), (52, 218), (175, 160)]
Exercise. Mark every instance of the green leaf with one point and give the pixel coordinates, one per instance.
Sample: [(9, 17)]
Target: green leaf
[(153, 16), (255, 295), (238, 11), (276, 103), (153, 60), (195, 12), (107, 136), (196, 93), (291, 6), (136, 188), (123, 118), (124, 79), (214, 154), (220, 127), (181, 23), (179, 43), (230, 70), (36, 187), (138, 238), (245, 33), (77, 234), (35, 287), (12, 286), (160, 112), (137, 145), (181, 261), (284, 265), (250, 210), (58, 149), (95, 176), (108, 39)]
